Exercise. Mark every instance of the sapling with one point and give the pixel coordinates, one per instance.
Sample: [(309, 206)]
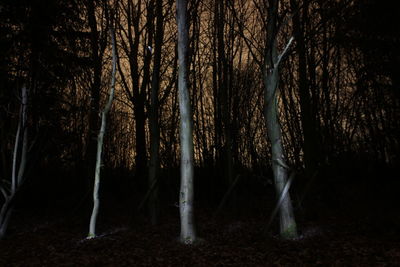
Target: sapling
[(8, 188), (96, 201)]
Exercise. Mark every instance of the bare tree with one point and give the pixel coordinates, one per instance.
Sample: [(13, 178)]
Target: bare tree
[(97, 42), (272, 60), (154, 116), (10, 189), (186, 195), (96, 201), (134, 34), (308, 121)]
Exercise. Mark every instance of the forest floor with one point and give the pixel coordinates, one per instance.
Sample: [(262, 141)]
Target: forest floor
[(330, 236)]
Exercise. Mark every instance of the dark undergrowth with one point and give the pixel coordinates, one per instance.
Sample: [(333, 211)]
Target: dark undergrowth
[(343, 224)]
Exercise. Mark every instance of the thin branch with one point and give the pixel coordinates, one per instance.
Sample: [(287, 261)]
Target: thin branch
[(284, 52), (3, 190)]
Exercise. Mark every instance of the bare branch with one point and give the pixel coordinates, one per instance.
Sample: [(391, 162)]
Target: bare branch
[(284, 52), (3, 190)]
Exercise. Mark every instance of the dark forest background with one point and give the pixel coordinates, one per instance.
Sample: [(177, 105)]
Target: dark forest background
[(338, 105)]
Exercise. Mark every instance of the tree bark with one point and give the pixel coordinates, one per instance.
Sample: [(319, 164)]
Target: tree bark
[(188, 234), (288, 227)]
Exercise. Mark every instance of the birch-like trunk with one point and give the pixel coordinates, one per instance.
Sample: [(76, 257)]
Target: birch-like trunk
[(19, 159), (188, 234), (96, 201), (288, 229), (287, 221)]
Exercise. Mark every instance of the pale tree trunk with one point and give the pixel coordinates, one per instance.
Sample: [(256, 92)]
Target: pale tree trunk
[(288, 229), (188, 234), (96, 201), (9, 190)]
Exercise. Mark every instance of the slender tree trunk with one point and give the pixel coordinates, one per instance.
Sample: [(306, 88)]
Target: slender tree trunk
[(18, 173), (188, 234), (288, 227), (130, 39), (96, 201), (216, 94), (141, 156), (153, 121), (93, 121), (306, 104), (225, 99)]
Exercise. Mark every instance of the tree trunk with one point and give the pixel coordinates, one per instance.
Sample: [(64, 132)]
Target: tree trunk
[(18, 174), (96, 201), (224, 101), (93, 121), (306, 104), (153, 120), (288, 227), (188, 234), (130, 38)]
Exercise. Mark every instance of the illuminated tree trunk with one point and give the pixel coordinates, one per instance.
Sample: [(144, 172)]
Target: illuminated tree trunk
[(288, 227), (9, 190), (96, 201), (186, 195)]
